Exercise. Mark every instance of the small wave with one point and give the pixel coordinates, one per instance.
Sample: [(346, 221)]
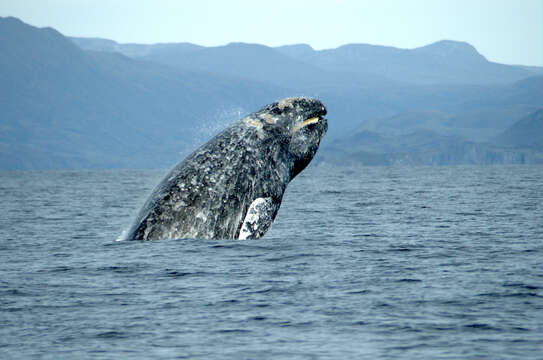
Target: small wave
[(522, 286), (295, 324), (112, 335), (480, 326), (232, 331), (332, 192), (178, 274), (223, 246), (265, 291), (15, 292), (61, 269), (62, 255), (128, 269), (262, 305), (468, 213), (292, 257), (358, 292), (360, 323), (512, 294), (223, 302), (368, 235), (400, 249)]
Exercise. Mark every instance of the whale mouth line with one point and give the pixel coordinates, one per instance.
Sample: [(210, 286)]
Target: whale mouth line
[(312, 120)]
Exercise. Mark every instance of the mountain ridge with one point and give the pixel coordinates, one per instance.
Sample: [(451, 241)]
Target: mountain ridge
[(65, 107), (354, 56)]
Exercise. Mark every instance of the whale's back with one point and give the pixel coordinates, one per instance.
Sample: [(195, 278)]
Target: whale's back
[(207, 194)]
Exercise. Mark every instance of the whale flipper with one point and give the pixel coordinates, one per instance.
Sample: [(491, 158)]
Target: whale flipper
[(259, 218)]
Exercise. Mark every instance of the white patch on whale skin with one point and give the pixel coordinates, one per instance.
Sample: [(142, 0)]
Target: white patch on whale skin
[(256, 215), (255, 123), (269, 118), (201, 216)]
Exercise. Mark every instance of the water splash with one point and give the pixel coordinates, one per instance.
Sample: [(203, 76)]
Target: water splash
[(219, 120), (122, 236)]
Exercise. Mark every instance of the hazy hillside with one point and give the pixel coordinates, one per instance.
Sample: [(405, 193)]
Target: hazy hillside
[(135, 50), (64, 107), (103, 104), (525, 133), (408, 140), (422, 147)]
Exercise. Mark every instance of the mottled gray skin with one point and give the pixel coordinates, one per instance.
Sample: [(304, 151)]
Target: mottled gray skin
[(208, 194)]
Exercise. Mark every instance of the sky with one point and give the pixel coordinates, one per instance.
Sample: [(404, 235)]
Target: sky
[(504, 31)]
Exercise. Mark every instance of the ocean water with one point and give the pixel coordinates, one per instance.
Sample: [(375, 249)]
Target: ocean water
[(366, 263)]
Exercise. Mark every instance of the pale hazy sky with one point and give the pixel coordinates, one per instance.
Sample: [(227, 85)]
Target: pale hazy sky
[(505, 31)]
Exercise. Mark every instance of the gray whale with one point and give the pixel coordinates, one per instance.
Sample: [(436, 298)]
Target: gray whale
[(232, 186)]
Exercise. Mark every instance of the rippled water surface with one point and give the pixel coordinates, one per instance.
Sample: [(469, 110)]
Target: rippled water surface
[(376, 263)]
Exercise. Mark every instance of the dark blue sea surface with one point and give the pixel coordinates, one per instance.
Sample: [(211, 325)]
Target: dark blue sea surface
[(371, 263)]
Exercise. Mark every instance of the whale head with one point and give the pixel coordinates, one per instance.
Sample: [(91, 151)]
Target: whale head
[(301, 122)]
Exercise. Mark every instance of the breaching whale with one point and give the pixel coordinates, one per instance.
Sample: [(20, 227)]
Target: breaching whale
[(232, 186)]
